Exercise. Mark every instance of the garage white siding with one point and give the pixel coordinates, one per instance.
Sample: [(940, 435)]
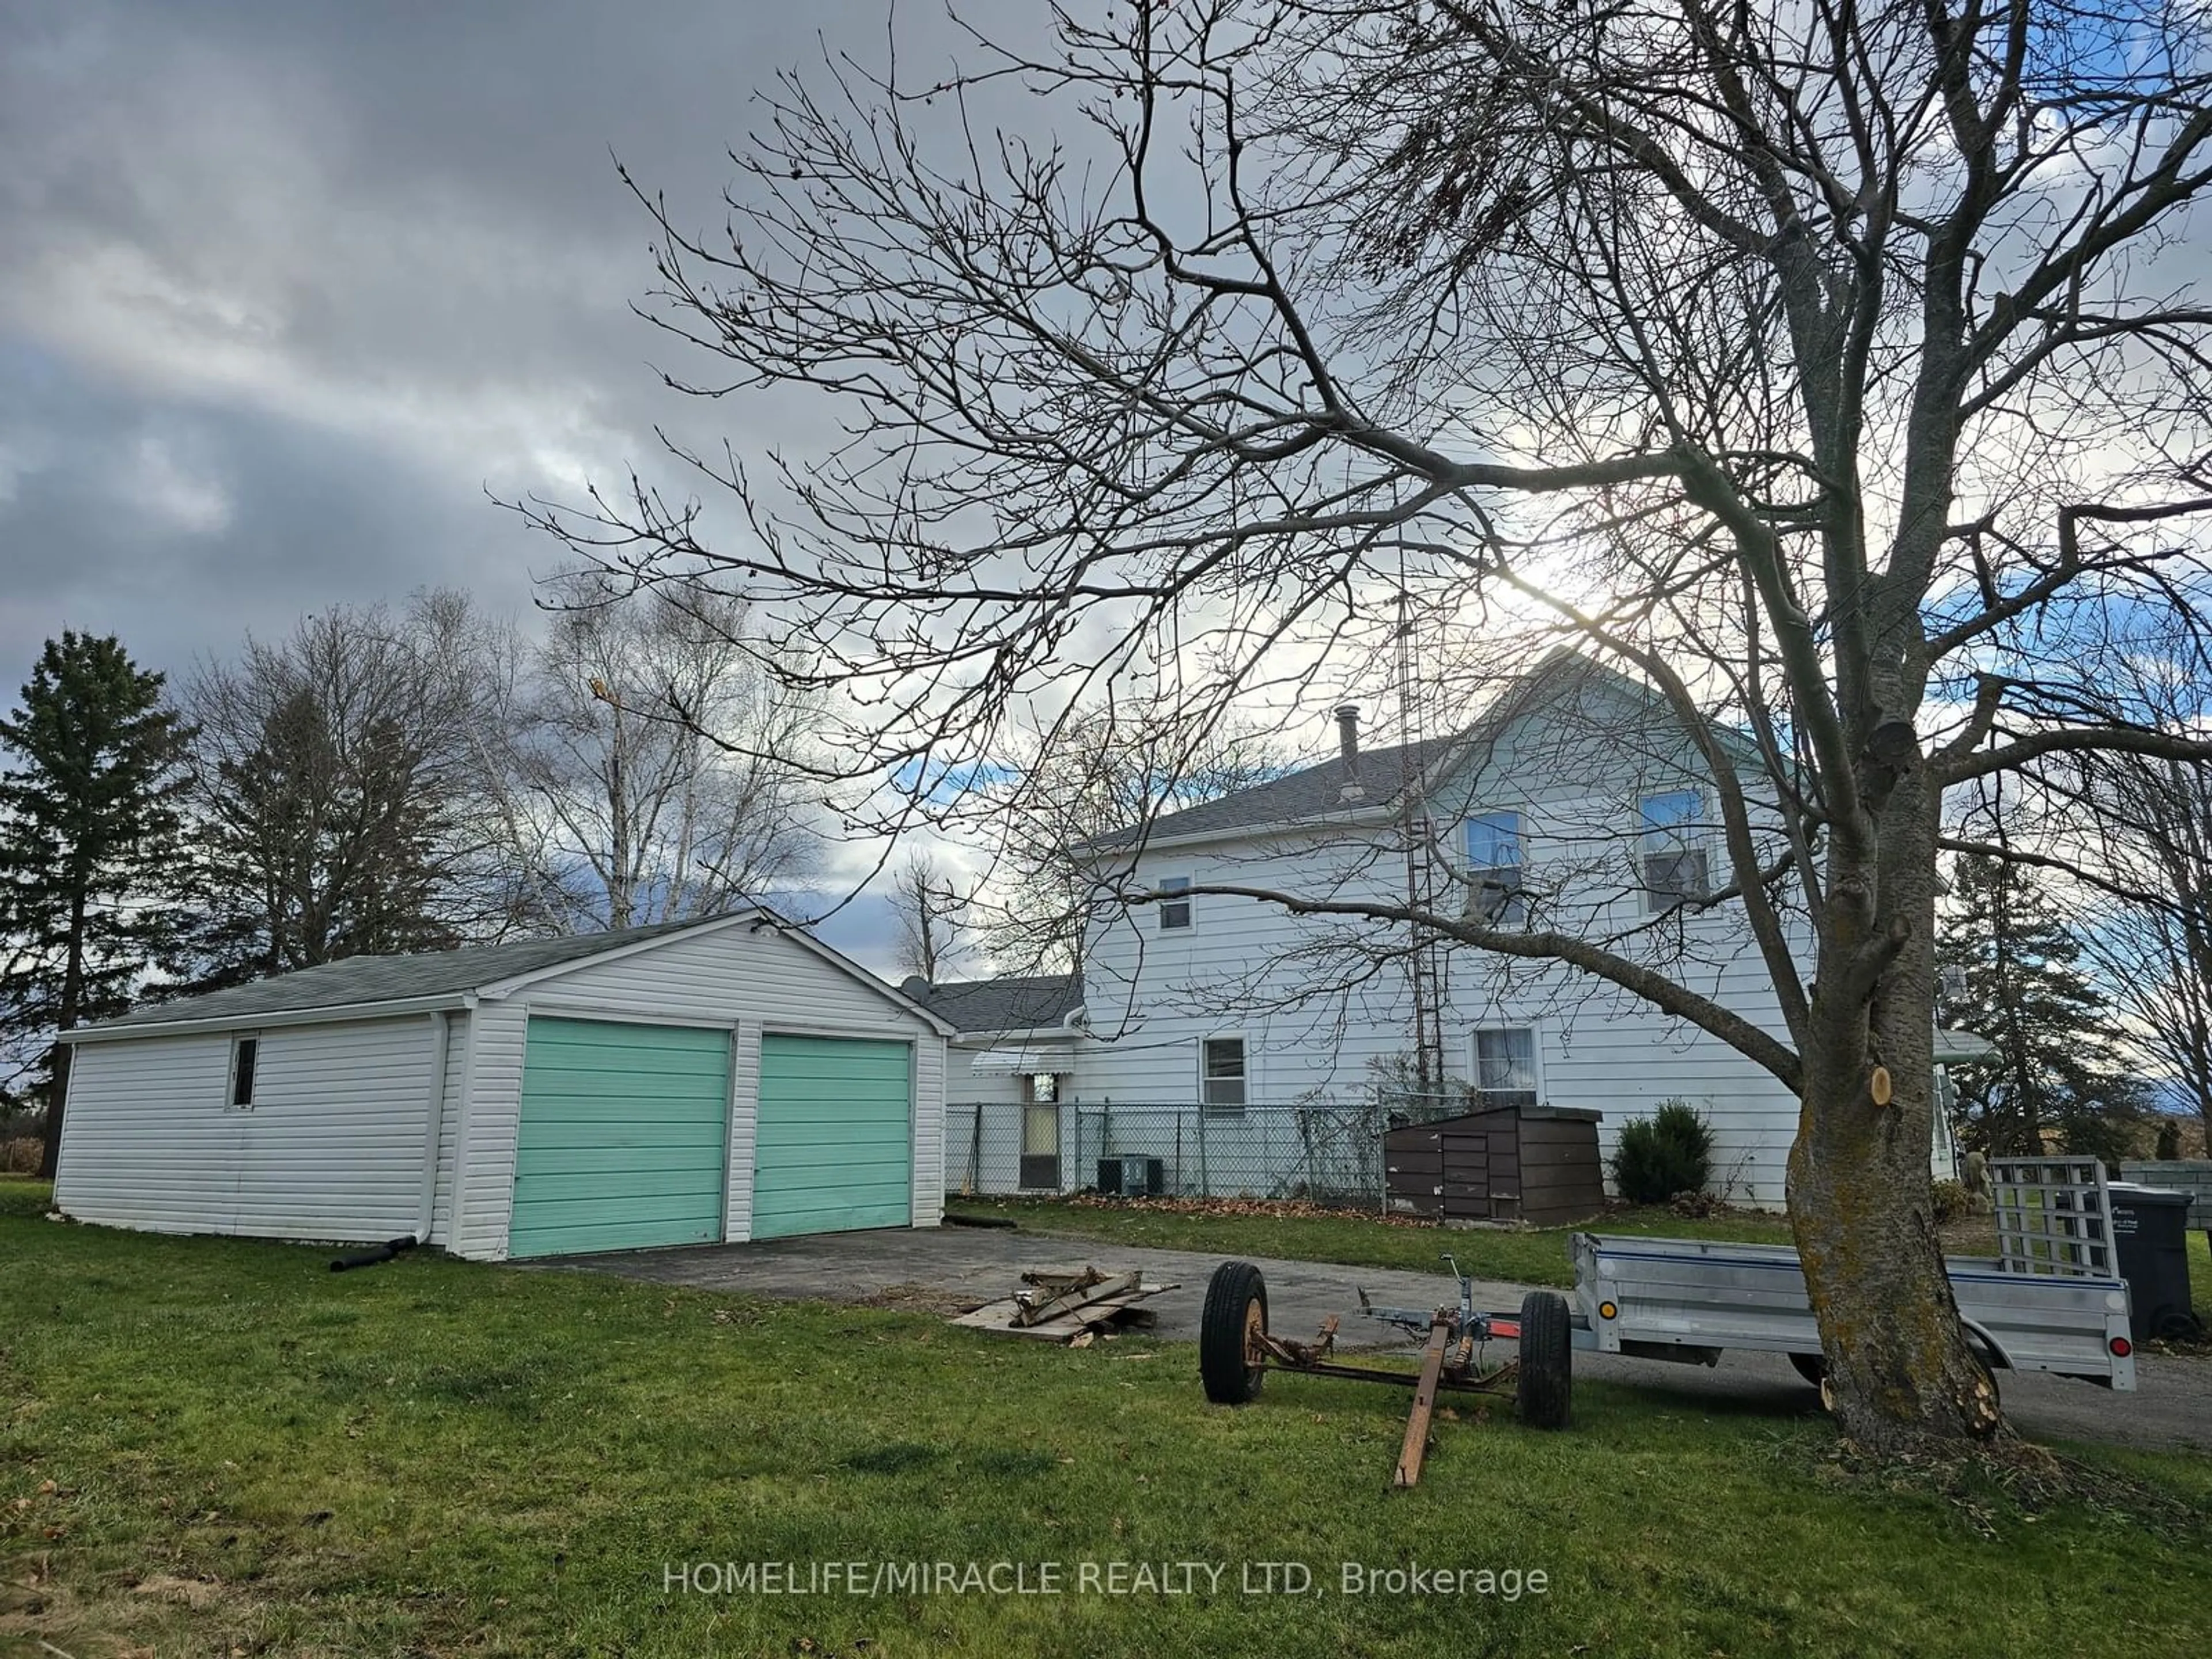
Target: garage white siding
[(449, 1127), (928, 1131), (490, 1119), (331, 1148), (745, 1131)]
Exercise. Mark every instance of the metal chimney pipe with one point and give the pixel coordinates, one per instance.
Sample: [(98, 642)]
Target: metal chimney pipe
[(1347, 739)]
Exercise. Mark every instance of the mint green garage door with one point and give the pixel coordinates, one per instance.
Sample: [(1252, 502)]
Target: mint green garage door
[(834, 1150), (623, 1136)]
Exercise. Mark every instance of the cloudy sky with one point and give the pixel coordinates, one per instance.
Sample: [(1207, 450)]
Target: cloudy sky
[(287, 288)]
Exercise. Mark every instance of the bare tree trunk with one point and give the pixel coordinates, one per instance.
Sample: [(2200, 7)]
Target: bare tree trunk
[(49, 1152), (1861, 1201)]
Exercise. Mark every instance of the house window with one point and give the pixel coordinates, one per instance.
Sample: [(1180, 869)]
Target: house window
[(244, 1051), (1493, 869), (1672, 852), (1174, 912), (1221, 1076), (1505, 1066)]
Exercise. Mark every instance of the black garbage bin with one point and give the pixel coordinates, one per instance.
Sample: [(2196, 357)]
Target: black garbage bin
[(2150, 1231)]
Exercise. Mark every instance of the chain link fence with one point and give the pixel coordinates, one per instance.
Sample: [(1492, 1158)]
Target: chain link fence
[(1329, 1151)]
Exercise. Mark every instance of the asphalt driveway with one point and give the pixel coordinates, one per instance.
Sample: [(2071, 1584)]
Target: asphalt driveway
[(949, 1269)]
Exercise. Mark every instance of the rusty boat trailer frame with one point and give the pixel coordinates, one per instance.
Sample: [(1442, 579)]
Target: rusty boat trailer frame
[(1235, 1326)]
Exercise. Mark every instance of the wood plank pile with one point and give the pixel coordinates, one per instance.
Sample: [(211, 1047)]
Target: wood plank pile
[(1069, 1308)]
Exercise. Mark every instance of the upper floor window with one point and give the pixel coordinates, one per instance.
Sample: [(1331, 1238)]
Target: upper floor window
[(1174, 912), (1221, 1075), (1673, 851), (1493, 868)]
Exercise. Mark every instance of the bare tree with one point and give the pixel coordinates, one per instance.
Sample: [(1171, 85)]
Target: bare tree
[(2147, 920), (1067, 792), (341, 804), (932, 911), (2158, 959), (657, 769), (1834, 371), (2125, 840)]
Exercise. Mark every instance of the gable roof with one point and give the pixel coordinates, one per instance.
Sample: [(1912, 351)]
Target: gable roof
[(1013, 1002), (369, 983), (1385, 774)]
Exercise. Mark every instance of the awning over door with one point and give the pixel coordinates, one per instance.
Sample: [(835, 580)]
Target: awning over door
[(1025, 1059)]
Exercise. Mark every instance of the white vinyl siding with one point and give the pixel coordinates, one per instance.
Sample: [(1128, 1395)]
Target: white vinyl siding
[(1151, 998), (333, 1148)]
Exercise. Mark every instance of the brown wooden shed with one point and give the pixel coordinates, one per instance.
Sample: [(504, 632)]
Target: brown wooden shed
[(1533, 1163)]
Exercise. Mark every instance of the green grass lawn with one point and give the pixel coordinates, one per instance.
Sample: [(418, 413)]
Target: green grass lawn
[(219, 1447)]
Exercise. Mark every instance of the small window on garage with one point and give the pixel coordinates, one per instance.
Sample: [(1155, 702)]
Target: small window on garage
[(1221, 1076), (1174, 912), (245, 1053)]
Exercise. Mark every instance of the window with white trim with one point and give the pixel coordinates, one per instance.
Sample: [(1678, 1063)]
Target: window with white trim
[(1672, 849), (1492, 842), (1221, 1076), (1505, 1066), (1174, 912), (245, 1056)]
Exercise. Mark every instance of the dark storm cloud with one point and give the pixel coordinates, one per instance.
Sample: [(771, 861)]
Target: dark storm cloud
[(286, 289), (283, 289)]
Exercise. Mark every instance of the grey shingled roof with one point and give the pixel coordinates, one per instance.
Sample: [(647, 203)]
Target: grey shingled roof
[(1014, 1002), (1383, 772), (368, 980)]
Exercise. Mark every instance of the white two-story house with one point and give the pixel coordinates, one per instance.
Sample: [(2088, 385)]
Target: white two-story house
[(1247, 1038)]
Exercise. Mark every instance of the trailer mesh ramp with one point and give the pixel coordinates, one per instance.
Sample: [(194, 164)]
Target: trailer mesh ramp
[(2054, 1216)]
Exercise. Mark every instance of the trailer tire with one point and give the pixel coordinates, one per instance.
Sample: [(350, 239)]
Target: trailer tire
[(1235, 1306), (1810, 1366), (1545, 1386)]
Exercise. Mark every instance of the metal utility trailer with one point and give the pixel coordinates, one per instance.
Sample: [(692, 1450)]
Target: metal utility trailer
[(2050, 1301)]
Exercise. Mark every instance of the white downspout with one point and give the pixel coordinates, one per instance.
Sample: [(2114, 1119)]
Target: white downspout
[(434, 1120)]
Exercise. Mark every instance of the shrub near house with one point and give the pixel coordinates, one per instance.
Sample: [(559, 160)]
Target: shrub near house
[(1669, 1153)]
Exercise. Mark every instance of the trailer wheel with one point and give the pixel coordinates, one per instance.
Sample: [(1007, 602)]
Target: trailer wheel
[(1547, 1359), (1810, 1366), (1236, 1311)]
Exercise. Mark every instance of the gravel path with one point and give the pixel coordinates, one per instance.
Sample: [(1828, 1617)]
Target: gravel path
[(950, 1268)]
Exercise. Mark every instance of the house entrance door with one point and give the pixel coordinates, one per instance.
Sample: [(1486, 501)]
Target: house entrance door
[(1041, 1132)]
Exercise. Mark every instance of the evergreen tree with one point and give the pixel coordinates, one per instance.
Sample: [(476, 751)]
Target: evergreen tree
[(88, 836), (2058, 1066)]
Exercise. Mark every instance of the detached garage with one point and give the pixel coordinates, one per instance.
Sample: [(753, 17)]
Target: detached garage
[(725, 1079)]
